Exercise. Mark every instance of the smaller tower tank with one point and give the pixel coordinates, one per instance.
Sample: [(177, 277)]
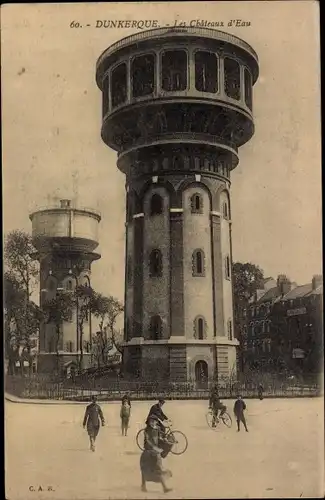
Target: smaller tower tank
[(65, 238)]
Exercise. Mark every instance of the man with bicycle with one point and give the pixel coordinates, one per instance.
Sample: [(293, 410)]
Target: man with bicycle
[(158, 414), (216, 405)]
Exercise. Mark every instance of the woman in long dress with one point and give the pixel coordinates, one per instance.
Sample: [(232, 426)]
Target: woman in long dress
[(151, 461)]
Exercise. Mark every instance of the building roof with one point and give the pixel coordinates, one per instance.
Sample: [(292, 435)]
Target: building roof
[(317, 291), (270, 294), (299, 291)]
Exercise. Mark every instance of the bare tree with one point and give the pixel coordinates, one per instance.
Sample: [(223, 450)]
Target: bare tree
[(106, 309)]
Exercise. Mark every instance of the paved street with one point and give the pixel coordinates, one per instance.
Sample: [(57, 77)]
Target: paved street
[(281, 456)]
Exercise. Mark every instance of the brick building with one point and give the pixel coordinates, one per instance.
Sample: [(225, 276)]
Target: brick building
[(284, 328), (177, 105)]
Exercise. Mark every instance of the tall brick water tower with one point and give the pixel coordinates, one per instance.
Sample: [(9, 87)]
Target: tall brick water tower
[(177, 105), (65, 238)]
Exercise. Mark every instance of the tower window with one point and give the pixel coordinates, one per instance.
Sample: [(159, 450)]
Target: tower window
[(248, 88), (155, 264), (198, 263), (227, 267), (206, 72), (156, 205), (229, 329), (155, 328), (174, 70), (177, 163), (119, 85), (232, 78), (143, 75), (69, 285), (105, 96), (225, 210), (199, 328), (196, 204)]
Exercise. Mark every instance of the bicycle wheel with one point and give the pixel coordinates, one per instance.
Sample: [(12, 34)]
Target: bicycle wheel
[(211, 420), (140, 439), (226, 419), (179, 442)]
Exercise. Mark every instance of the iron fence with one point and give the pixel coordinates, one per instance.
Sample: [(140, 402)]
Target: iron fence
[(45, 388)]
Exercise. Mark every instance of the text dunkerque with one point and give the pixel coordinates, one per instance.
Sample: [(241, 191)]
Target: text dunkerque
[(154, 23)]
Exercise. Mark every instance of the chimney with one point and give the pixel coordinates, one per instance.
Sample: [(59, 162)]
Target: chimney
[(317, 281), (65, 203), (283, 284)]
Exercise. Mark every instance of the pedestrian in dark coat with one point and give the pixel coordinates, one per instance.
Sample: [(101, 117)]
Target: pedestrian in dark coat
[(151, 460), (92, 420), (239, 409)]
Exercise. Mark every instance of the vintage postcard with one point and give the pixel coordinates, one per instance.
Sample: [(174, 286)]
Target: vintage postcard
[(163, 286)]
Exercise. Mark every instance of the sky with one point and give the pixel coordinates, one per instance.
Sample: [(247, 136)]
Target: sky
[(51, 120)]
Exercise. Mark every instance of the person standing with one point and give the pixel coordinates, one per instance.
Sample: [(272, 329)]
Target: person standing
[(92, 420), (260, 391), (125, 416), (239, 409), (151, 459)]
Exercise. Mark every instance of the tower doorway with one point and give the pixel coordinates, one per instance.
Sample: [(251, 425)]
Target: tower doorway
[(201, 374)]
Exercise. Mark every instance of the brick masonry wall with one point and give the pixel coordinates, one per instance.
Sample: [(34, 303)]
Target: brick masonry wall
[(198, 298), (225, 251), (178, 363), (156, 235), (155, 362)]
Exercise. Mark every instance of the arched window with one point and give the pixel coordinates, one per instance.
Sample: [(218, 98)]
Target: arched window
[(196, 203), (174, 70), (118, 81), (156, 205), (198, 263), (227, 267), (155, 328), (199, 328), (69, 285), (232, 78), (143, 75), (206, 72), (248, 88), (178, 163), (229, 324), (225, 210), (155, 264)]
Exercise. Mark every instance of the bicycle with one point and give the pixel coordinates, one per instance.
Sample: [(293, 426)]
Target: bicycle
[(177, 439), (211, 419)]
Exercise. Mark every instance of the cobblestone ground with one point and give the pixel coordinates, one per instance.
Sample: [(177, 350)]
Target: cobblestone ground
[(281, 456)]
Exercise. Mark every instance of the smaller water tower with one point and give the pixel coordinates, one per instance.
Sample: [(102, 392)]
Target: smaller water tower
[(65, 238)]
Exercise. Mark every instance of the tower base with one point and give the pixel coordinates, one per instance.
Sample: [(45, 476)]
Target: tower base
[(193, 361), (66, 363)]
